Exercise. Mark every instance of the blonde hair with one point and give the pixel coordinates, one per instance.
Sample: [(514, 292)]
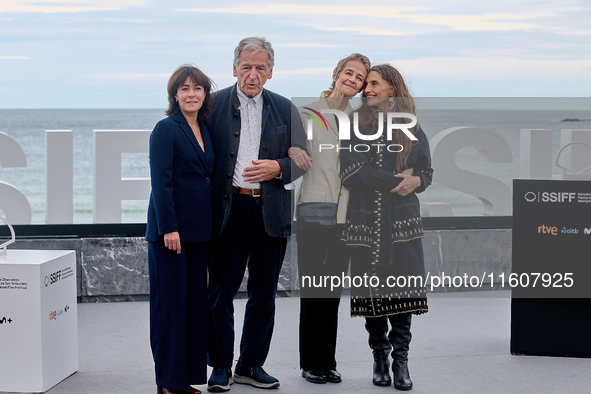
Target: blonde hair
[(342, 63)]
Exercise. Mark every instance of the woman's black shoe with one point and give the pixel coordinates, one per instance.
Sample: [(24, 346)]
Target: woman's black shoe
[(377, 327), (400, 337), (401, 375), (381, 370), (332, 376), (314, 376)]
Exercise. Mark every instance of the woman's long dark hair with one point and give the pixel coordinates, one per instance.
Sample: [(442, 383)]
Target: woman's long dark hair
[(401, 102)]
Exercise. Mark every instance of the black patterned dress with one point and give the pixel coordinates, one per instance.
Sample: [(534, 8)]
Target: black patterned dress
[(384, 229)]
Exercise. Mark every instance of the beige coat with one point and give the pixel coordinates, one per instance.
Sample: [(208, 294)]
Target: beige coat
[(323, 182)]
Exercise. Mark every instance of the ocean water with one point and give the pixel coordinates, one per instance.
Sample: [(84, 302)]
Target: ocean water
[(506, 123), (28, 127)]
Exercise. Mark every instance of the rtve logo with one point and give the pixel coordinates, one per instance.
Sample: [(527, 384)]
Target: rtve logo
[(543, 229)]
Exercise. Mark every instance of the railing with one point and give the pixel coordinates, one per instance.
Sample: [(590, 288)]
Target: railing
[(139, 229)]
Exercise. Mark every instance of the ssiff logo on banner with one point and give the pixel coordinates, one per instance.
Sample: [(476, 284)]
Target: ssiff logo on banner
[(551, 197)]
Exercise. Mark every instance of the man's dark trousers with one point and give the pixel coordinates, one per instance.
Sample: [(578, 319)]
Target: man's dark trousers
[(243, 242)]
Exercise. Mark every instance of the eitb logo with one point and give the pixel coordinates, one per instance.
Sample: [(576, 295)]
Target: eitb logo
[(345, 129)]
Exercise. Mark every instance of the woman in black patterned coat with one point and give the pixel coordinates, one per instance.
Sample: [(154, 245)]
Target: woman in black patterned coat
[(383, 224)]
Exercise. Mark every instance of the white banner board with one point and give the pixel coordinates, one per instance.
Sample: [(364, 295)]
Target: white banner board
[(38, 319)]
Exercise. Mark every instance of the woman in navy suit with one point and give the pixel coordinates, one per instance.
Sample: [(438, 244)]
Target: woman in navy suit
[(178, 231)]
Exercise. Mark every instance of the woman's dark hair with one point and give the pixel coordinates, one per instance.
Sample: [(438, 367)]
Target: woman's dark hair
[(197, 77), (401, 102)]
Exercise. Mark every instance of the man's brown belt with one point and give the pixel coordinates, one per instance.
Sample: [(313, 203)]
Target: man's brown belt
[(250, 192)]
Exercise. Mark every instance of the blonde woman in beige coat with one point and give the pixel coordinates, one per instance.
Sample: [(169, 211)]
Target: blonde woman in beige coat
[(320, 251)]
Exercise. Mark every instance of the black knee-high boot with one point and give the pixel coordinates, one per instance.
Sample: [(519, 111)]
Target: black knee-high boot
[(400, 337), (377, 327)]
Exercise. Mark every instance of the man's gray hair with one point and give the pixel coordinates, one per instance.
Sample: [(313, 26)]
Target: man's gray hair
[(254, 45)]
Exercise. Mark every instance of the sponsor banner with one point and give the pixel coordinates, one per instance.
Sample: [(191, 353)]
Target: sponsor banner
[(552, 238)]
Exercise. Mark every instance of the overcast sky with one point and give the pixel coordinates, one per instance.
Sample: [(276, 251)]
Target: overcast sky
[(120, 53)]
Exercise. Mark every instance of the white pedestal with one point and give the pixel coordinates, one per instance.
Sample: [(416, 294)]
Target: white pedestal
[(39, 320)]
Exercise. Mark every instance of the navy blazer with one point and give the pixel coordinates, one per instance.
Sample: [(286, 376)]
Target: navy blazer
[(280, 121), (181, 181)]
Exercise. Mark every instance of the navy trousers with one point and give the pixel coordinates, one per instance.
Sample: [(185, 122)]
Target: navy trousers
[(178, 314), (244, 242)]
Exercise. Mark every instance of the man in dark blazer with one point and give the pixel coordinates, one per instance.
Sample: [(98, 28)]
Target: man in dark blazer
[(251, 132)]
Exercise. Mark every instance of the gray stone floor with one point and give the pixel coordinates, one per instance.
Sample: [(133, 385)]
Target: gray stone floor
[(460, 346)]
